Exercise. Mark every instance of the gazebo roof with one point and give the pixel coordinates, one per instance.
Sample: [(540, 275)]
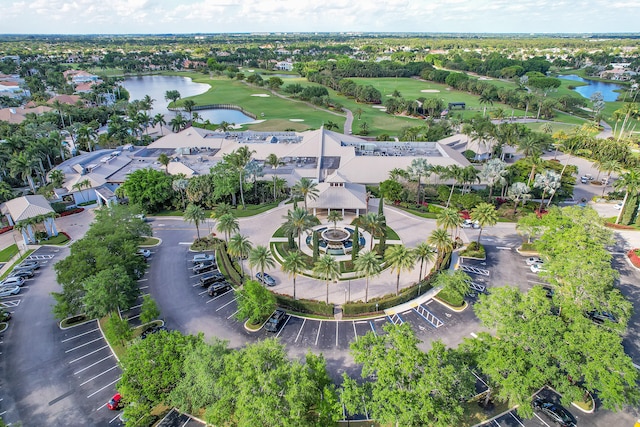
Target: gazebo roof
[(26, 207), (349, 196)]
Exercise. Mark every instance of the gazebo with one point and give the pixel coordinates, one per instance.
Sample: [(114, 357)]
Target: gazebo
[(337, 193), (24, 210)]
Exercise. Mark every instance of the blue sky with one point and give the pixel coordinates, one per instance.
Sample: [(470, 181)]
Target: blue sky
[(228, 16)]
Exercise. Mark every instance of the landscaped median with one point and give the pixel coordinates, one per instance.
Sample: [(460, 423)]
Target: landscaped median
[(634, 257)]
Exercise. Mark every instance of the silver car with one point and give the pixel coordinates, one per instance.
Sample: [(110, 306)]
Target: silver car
[(8, 291), (12, 281)]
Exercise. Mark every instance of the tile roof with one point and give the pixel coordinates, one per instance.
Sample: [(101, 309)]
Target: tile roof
[(26, 207)]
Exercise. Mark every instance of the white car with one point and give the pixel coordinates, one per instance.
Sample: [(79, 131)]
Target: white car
[(8, 291), (532, 260), (200, 258), (144, 252), (12, 281), (537, 268), (618, 206), (467, 223)]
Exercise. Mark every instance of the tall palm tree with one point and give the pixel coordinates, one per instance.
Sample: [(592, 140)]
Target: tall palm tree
[(239, 246), (484, 100), (297, 222), (293, 264), (609, 166), (328, 269), (261, 257), (399, 258), (372, 223), (334, 216), (86, 134), (485, 214), (194, 214), (455, 173), (56, 177), (188, 105), (23, 166), (449, 218), (177, 123), (549, 182), (630, 182), (85, 183), (239, 160), (158, 119), (275, 162), (419, 168), (306, 188), (519, 191), (370, 264), (227, 224), (164, 161), (424, 252), (439, 238)]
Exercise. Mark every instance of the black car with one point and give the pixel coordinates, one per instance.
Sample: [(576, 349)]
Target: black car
[(554, 412), (211, 278), (600, 317), (218, 288), (204, 266), (275, 321), (152, 330)]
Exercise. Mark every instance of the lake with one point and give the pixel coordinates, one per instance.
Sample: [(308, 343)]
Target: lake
[(593, 86), (157, 86)]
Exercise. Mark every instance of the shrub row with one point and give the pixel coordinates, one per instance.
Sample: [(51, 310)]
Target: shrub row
[(304, 305), (450, 298), (5, 229), (72, 211), (226, 266)]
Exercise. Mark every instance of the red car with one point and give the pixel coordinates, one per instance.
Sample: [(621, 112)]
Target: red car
[(114, 403)]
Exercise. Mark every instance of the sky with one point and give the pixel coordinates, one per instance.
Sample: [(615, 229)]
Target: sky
[(242, 16)]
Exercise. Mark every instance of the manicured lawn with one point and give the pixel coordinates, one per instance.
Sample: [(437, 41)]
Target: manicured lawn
[(149, 241), (60, 239), (7, 253), (22, 258)]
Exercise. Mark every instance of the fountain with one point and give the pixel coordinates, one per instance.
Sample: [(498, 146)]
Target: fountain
[(336, 241)]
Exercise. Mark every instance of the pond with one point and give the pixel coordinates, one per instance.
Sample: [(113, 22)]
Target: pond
[(593, 86), (157, 86)]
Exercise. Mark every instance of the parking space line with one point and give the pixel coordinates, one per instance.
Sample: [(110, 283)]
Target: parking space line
[(114, 418), (83, 345), (135, 306), (203, 292), (79, 335), (2, 413), (221, 307), (373, 328), (99, 375), (537, 283), (233, 314), (99, 390), (282, 329), (142, 280), (337, 323), (354, 330), (144, 287), (215, 298), (93, 364), (318, 335), (88, 354), (133, 317), (196, 284), (516, 418), (300, 331), (541, 420)]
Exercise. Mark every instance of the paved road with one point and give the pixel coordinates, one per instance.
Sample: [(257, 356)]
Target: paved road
[(348, 122)]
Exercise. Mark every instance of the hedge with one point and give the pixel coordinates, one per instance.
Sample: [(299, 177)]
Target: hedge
[(363, 308), (72, 211), (226, 266), (634, 258), (5, 229), (304, 305)]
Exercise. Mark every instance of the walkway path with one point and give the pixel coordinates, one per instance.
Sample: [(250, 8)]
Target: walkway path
[(348, 123)]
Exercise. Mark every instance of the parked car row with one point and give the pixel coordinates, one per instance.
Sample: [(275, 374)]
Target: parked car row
[(211, 278), (12, 283)]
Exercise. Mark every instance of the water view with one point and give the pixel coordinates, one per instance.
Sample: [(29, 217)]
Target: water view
[(606, 89), (157, 86)]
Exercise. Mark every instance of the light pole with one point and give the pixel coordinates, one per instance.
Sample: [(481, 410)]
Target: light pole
[(345, 295), (349, 289)]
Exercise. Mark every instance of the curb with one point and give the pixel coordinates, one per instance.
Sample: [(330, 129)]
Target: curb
[(64, 328), (107, 341), (153, 246), (253, 330), (457, 310)]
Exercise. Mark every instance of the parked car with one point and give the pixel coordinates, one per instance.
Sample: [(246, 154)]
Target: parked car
[(198, 258), (218, 288), (549, 291), (5, 316), (142, 217), (618, 206), (534, 260), (266, 279), (537, 268), (584, 180), (144, 252), (211, 278), (12, 281), (600, 317), (467, 223), (554, 412), (115, 403), (152, 330), (25, 274), (275, 321), (28, 265), (8, 291), (204, 266)]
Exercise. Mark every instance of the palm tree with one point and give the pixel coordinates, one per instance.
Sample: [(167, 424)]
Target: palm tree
[(306, 188), (549, 181), (23, 166), (194, 214), (164, 161), (158, 119), (328, 269), (609, 166), (439, 238), (293, 264), (419, 168), (424, 252), (80, 185), (177, 123), (399, 258), (275, 162), (188, 105), (180, 185), (239, 247), (630, 182), (519, 191), (449, 218), (484, 214), (6, 192), (239, 160), (372, 223), (334, 216), (227, 224), (86, 134), (455, 173), (484, 100), (369, 264), (261, 257), (297, 222), (493, 171), (56, 177)]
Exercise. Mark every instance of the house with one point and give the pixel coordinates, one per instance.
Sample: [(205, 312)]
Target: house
[(22, 212), (283, 66), (18, 115)]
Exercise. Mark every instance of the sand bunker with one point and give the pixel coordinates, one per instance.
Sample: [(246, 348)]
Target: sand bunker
[(296, 120), (261, 95), (380, 107), (430, 90)]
